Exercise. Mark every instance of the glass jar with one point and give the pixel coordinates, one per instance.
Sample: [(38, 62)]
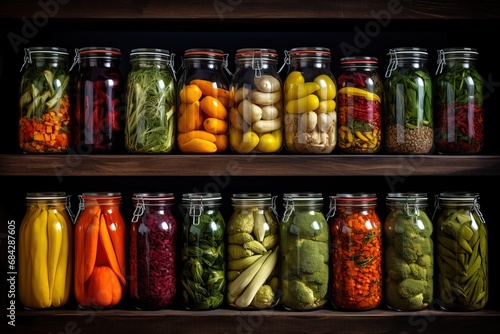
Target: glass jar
[(203, 272), (408, 102), (256, 114), (252, 247), (461, 252), (458, 98), (304, 249), (408, 253), (359, 105), (356, 239), (99, 101), (151, 102), (46, 251), (100, 234), (153, 251), (309, 100), (44, 101), (203, 117)]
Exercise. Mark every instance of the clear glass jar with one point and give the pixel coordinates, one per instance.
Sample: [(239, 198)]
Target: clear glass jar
[(408, 253), (46, 251), (153, 251), (309, 100), (459, 119), (461, 252), (151, 102), (256, 99), (99, 101), (203, 260), (304, 250), (408, 102), (100, 236), (44, 101), (203, 117), (356, 239), (252, 247), (359, 105)]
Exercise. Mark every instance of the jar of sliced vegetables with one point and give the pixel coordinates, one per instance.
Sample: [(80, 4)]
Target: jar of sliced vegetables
[(461, 252), (46, 251), (99, 101), (252, 247), (44, 101), (153, 251), (203, 258), (100, 234), (256, 114), (151, 102), (356, 238), (203, 115)]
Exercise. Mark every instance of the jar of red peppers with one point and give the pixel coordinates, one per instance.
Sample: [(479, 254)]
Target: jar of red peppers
[(408, 104), (256, 114), (356, 239), (99, 101), (309, 100), (46, 251), (359, 105), (100, 233), (153, 249), (459, 102), (203, 258), (408, 253), (203, 117), (151, 102), (44, 101)]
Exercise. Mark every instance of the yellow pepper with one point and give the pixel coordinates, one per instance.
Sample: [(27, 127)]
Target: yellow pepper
[(360, 92)]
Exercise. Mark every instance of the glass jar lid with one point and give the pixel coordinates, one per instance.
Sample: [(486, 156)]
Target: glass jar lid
[(403, 54), (453, 54), (355, 199), (99, 52), (359, 62), (303, 198), (310, 52), (201, 53), (407, 198), (150, 53), (247, 54), (46, 195), (153, 198), (44, 53), (200, 198), (461, 196)]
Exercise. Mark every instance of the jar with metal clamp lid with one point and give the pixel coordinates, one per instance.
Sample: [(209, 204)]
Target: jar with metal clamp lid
[(408, 102), (153, 251), (256, 114), (304, 245), (461, 252), (46, 251), (44, 101), (203, 258)]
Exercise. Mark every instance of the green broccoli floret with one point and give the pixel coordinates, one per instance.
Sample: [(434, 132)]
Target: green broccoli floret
[(264, 297), (396, 268), (417, 272), (242, 222), (309, 226), (425, 261), (412, 245), (411, 287), (395, 300), (320, 276), (306, 256), (297, 295)]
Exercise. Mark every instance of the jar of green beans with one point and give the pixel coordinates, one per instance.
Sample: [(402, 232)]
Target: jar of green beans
[(151, 102)]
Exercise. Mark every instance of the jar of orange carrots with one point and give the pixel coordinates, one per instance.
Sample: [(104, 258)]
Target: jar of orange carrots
[(99, 266), (202, 118), (356, 239)]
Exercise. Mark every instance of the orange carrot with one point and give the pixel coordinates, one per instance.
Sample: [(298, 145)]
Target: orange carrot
[(213, 107), (117, 230), (90, 251), (109, 250), (215, 125), (210, 88), (187, 136), (84, 220)]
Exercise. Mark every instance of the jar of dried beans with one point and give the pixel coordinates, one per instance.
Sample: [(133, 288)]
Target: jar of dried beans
[(356, 239), (153, 249), (44, 101), (309, 100), (100, 235), (459, 119), (203, 115), (408, 102), (359, 105), (46, 251), (252, 246), (99, 101), (461, 252), (304, 252), (203, 258), (256, 114), (408, 253)]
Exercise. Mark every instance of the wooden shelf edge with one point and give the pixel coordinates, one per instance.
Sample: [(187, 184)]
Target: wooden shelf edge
[(248, 165)]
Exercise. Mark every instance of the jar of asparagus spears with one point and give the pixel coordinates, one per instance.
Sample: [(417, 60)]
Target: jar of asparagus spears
[(461, 252), (252, 247), (203, 257)]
